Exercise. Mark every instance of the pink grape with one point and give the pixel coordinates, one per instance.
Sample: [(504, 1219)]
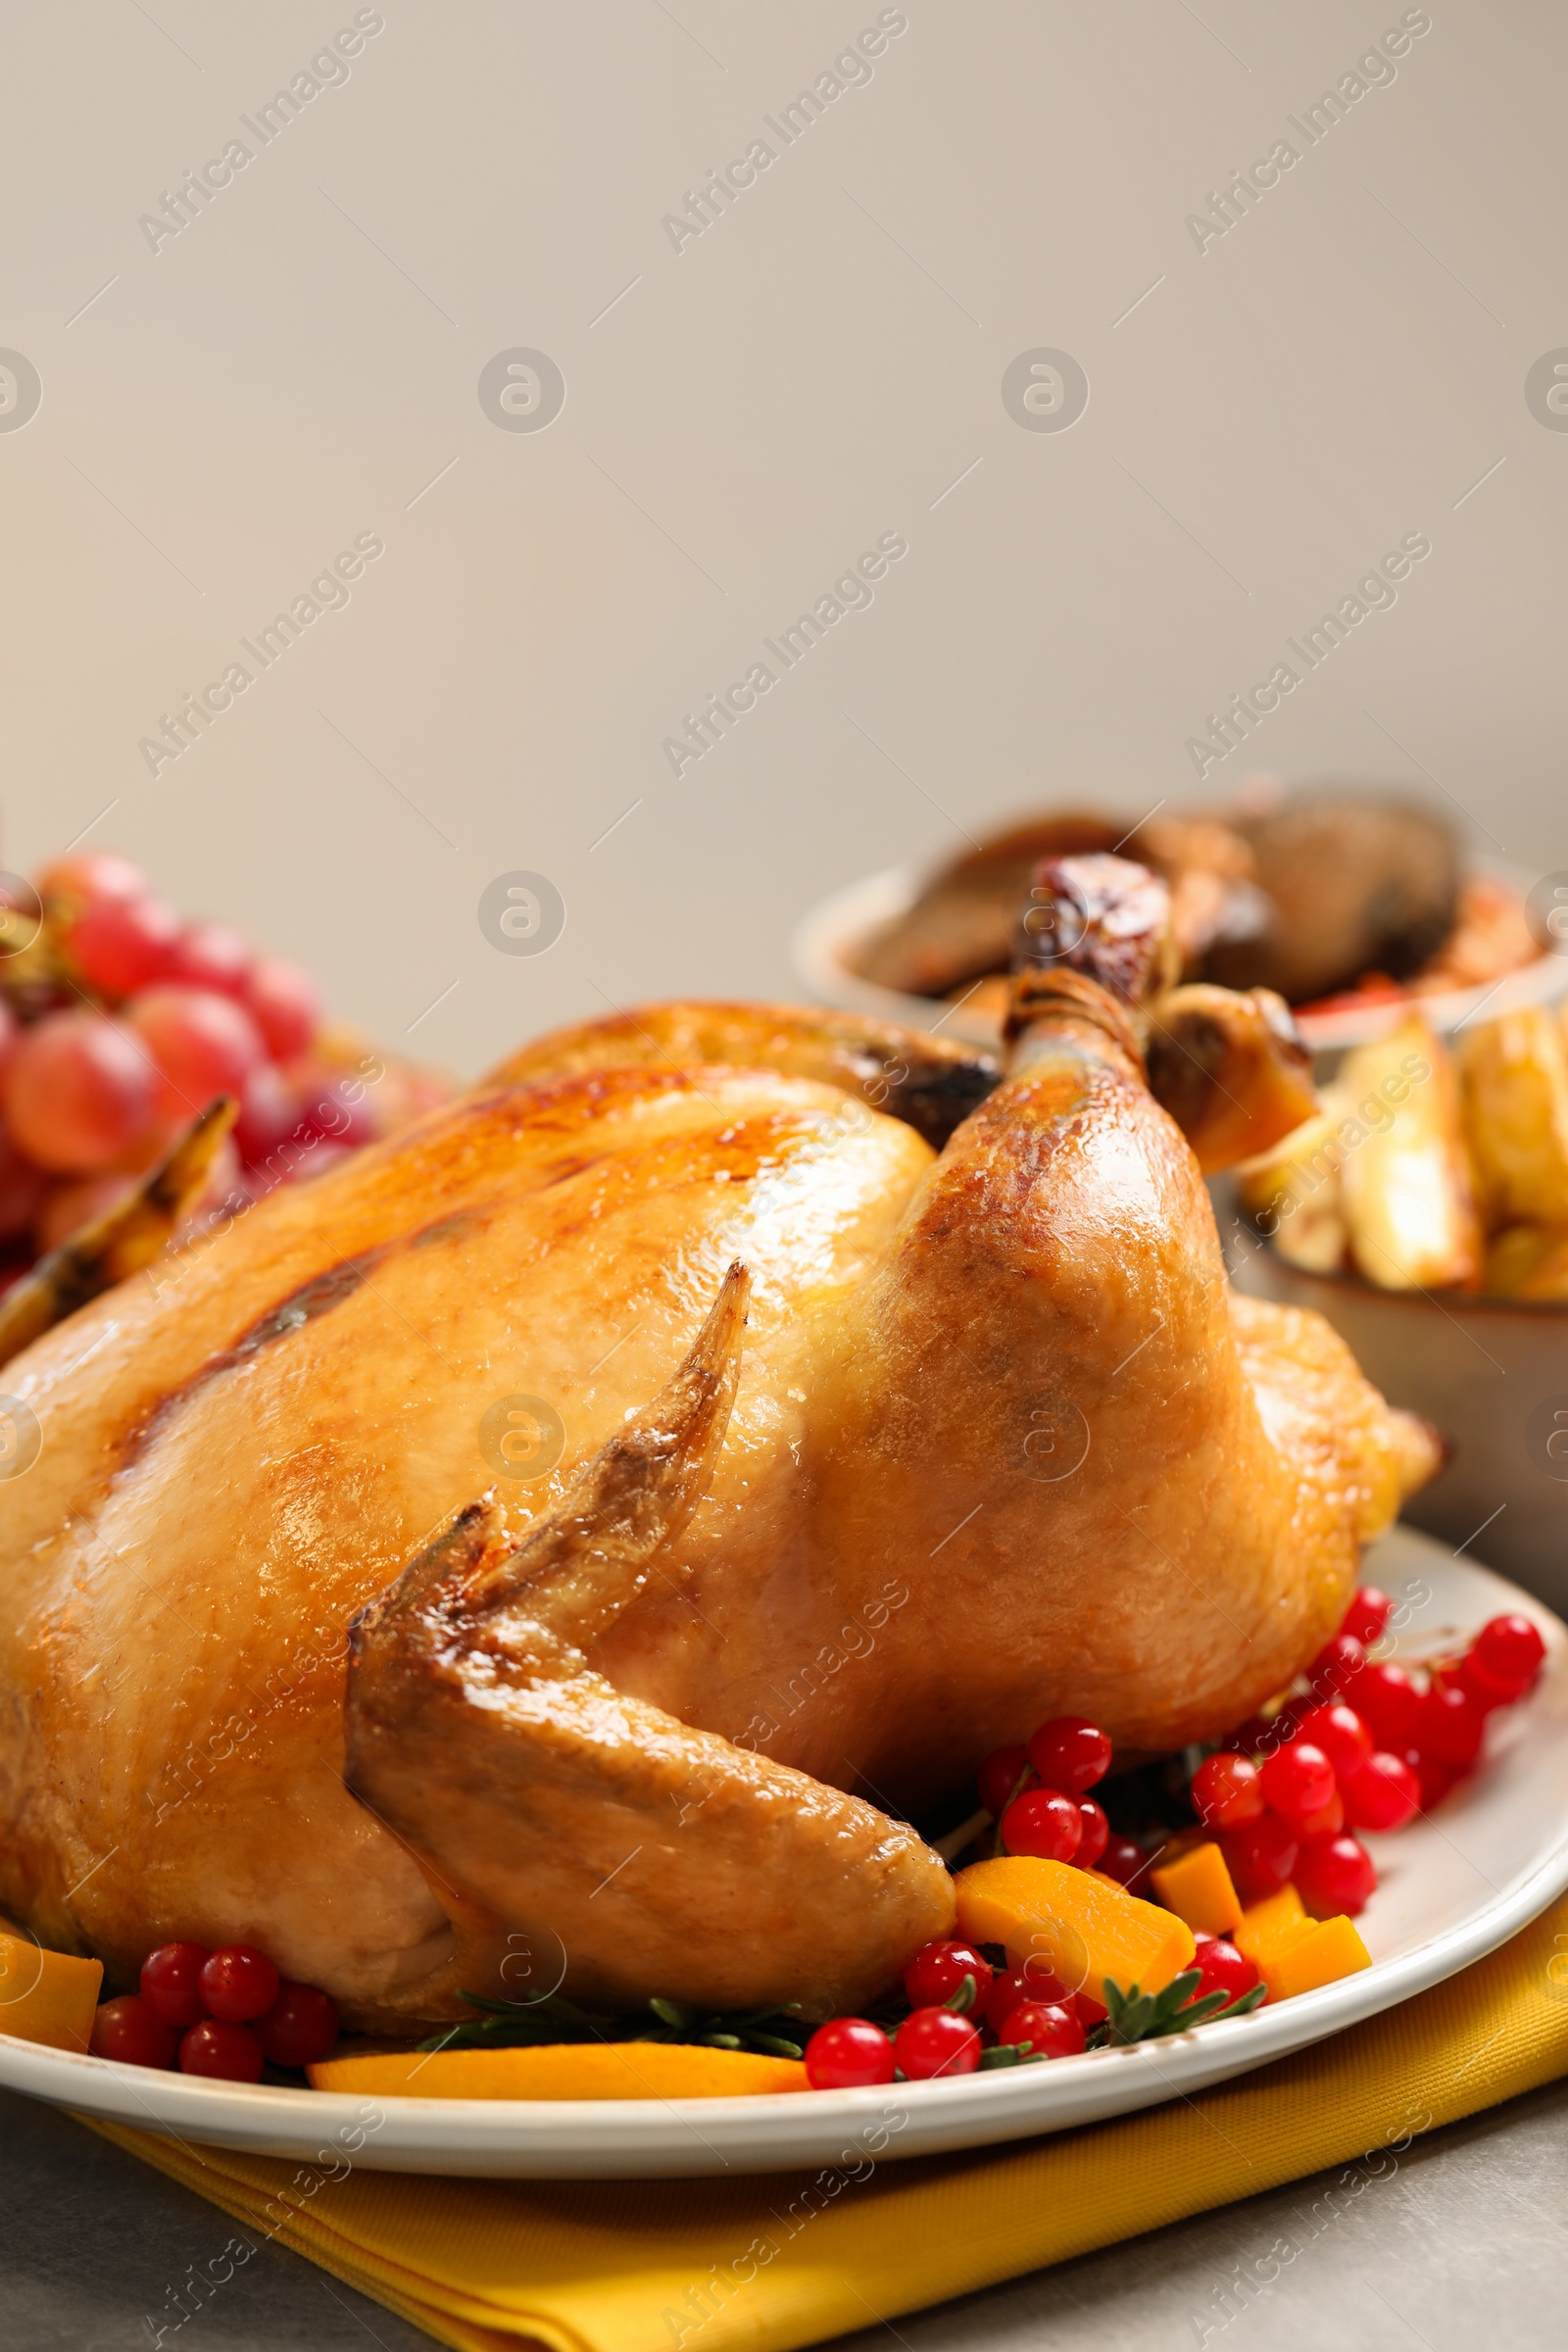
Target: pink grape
[(69, 1206), (203, 1044), (286, 1008), (79, 1092), (21, 1187), (268, 1112), (121, 945), (211, 955), (319, 1162), (97, 874), (331, 1112)]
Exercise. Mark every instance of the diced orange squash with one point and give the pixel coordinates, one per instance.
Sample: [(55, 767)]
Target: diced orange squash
[(1084, 1925), (50, 1997), (567, 2069), (1276, 1920), (1182, 1842), (1198, 1887), (1323, 1952)]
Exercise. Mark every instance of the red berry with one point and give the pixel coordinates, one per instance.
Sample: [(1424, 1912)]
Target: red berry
[(300, 2027), (1090, 2013), (79, 1092), (1044, 1823), (1016, 1985), (849, 2054), (1227, 1790), (1070, 1752), (1283, 1727), (1484, 1688), (1248, 1738), (1123, 1861), (937, 1970), (130, 2030), (1054, 2030), (238, 1982), (211, 955), (1221, 1968), (170, 1982), (1367, 1615), (1340, 1734), (1298, 1780), (1334, 1665), (1449, 1726), (999, 1777), (1511, 1650), (284, 1004), (1327, 1822), (1383, 1795), (1334, 1875), (936, 2041), (1387, 1700), (1259, 1855), (232, 2053), (1434, 1778), (1096, 1834), (119, 944)]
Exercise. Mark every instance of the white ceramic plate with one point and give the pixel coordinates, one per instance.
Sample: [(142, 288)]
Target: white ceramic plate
[(825, 939), (1453, 1887)]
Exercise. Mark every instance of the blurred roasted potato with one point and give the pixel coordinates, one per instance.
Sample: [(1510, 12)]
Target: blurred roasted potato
[(1428, 1168), (1406, 1186), (1292, 1193), (1513, 1075), (1528, 1262)]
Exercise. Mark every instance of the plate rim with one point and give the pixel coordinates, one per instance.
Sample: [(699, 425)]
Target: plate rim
[(631, 2138)]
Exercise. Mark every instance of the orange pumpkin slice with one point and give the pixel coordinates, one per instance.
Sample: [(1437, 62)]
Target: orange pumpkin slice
[(595, 2070), (1082, 1924)]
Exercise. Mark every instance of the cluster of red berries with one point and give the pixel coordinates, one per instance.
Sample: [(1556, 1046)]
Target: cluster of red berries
[(1035, 1795), (221, 2013), (1367, 1746), (1026, 2008)]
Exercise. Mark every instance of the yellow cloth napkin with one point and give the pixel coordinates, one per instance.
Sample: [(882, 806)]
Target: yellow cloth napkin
[(773, 2262)]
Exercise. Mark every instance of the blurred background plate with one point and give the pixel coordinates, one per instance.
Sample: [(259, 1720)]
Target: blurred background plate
[(825, 941)]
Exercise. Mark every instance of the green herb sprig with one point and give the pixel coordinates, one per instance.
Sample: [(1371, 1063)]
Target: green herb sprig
[(1134, 2015), (774, 2032)]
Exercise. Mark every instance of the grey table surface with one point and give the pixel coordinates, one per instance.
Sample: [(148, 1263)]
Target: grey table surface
[(1463, 2243)]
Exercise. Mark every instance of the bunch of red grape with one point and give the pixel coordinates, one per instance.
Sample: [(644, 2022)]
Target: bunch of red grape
[(119, 1023)]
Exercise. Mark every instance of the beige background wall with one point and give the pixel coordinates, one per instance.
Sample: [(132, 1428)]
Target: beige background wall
[(300, 360)]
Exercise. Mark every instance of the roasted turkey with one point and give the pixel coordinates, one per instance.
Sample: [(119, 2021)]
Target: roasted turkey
[(577, 1538)]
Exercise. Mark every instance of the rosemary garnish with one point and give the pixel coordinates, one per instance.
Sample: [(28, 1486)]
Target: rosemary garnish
[(774, 2032), (1134, 2015)]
